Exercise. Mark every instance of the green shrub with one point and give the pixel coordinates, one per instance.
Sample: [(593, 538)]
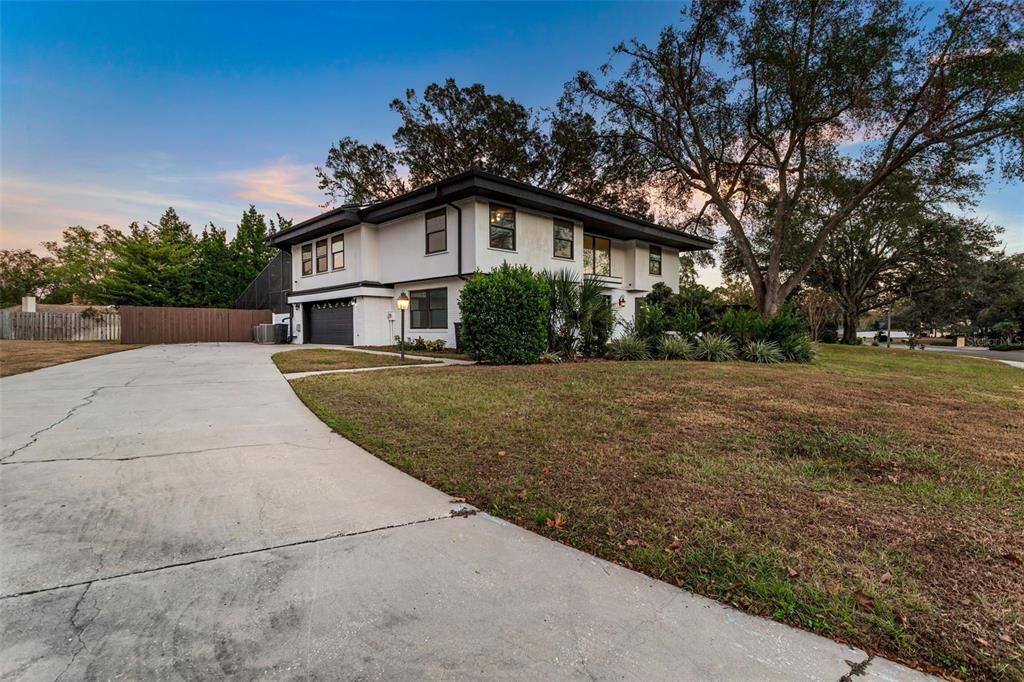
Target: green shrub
[(765, 352), (580, 319), (675, 348), (597, 321), (829, 333), (505, 316), (716, 348), (742, 325), (786, 323), (628, 348), (650, 324), (798, 348), (437, 345), (550, 358)]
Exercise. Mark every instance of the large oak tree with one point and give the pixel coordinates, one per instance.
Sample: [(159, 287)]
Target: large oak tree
[(741, 109), (450, 129)]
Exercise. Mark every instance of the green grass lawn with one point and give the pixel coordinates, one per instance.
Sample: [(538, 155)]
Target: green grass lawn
[(316, 359), (876, 497)]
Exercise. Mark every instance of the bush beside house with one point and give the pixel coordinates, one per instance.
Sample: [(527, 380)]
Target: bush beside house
[(505, 316), (516, 316)]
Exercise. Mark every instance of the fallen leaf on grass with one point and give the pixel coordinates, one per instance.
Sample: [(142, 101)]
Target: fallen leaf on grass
[(555, 522), (863, 599), (632, 543), (792, 572), (674, 545), (1006, 638), (457, 499), (981, 641), (611, 532), (886, 577)]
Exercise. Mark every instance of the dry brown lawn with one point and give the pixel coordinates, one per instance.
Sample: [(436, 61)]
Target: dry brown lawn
[(875, 497), (317, 359), (24, 356)]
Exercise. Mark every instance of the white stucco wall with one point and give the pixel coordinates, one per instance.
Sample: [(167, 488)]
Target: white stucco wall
[(352, 272), (394, 253)]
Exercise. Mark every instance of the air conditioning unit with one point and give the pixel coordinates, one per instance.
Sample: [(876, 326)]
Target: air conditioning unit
[(264, 333)]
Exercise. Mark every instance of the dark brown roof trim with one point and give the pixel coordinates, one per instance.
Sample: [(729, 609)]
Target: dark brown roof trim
[(485, 185)]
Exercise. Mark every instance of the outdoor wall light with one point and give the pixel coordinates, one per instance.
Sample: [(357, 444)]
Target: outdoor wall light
[(622, 301)]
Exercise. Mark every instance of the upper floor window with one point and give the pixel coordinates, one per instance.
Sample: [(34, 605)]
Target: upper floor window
[(437, 231), (503, 228), (338, 252), (321, 256), (597, 255), (564, 231), (307, 259), (654, 260), (428, 309)]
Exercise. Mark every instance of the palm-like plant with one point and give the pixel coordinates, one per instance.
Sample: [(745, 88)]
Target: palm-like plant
[(563, 326), (581, 319)]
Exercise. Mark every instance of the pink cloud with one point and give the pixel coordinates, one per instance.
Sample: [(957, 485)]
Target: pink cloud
[(279, 183)]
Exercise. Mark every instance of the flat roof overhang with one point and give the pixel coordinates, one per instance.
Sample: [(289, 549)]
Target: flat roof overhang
[(483, 185)]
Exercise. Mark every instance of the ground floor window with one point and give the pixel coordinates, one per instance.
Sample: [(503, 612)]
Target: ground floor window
[(428, 309)]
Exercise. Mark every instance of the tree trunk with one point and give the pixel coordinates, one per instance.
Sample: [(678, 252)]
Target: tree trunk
[(850, 319)]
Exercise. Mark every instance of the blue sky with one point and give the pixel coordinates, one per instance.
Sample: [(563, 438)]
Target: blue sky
[(111, 112)]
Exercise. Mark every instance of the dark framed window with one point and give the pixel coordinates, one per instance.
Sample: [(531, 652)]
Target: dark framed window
[(307, 259), (597, 255), (428, 309), (321, 256), (503, 228), (564, 231), (654, 260), (338, 252), (437, 231)]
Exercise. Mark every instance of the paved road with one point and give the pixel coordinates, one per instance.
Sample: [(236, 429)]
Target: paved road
[(174, 512)]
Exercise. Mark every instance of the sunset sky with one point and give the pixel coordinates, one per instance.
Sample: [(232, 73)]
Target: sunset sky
[(112, 112)]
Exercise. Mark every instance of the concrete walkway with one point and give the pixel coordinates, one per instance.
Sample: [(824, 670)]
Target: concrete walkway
[(174, 512)]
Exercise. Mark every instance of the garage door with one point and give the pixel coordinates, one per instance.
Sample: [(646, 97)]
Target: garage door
[(330, 322)]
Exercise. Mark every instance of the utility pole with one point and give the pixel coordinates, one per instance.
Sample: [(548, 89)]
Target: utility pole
[(888, 329)]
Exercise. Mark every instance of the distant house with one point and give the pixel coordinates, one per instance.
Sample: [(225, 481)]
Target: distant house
[(60, 308), (349, 265)]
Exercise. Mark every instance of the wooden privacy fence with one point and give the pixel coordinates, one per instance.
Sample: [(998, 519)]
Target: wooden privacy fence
[(83, 326), (188, 325)]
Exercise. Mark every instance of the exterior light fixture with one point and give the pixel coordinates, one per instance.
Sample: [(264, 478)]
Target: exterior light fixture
[(403, 304), (622, 301)]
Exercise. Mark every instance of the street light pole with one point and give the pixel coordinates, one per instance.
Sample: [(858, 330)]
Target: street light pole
[(403, 305)]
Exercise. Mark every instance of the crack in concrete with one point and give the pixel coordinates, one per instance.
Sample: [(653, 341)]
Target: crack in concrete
[(79, 630), (857, 669), (68, 415), (298, 543), (161, 454)]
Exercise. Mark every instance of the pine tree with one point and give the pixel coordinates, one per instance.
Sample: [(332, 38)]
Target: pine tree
[(248, 250), (152, 265), (214, 280)]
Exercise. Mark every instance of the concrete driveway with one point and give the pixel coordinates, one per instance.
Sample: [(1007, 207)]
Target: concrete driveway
[(174, 512)]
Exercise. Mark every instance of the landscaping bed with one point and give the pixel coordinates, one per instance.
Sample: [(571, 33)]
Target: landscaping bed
[(318, 359), (448, 353), (24, 356), (873, 497)]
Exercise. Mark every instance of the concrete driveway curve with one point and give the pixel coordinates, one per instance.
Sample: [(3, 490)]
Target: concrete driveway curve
[(175, 512)]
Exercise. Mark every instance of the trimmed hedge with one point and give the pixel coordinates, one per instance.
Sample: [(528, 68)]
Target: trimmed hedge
[(505, 316)]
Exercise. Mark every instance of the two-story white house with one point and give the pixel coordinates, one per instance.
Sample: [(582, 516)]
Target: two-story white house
[(349, 265)]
